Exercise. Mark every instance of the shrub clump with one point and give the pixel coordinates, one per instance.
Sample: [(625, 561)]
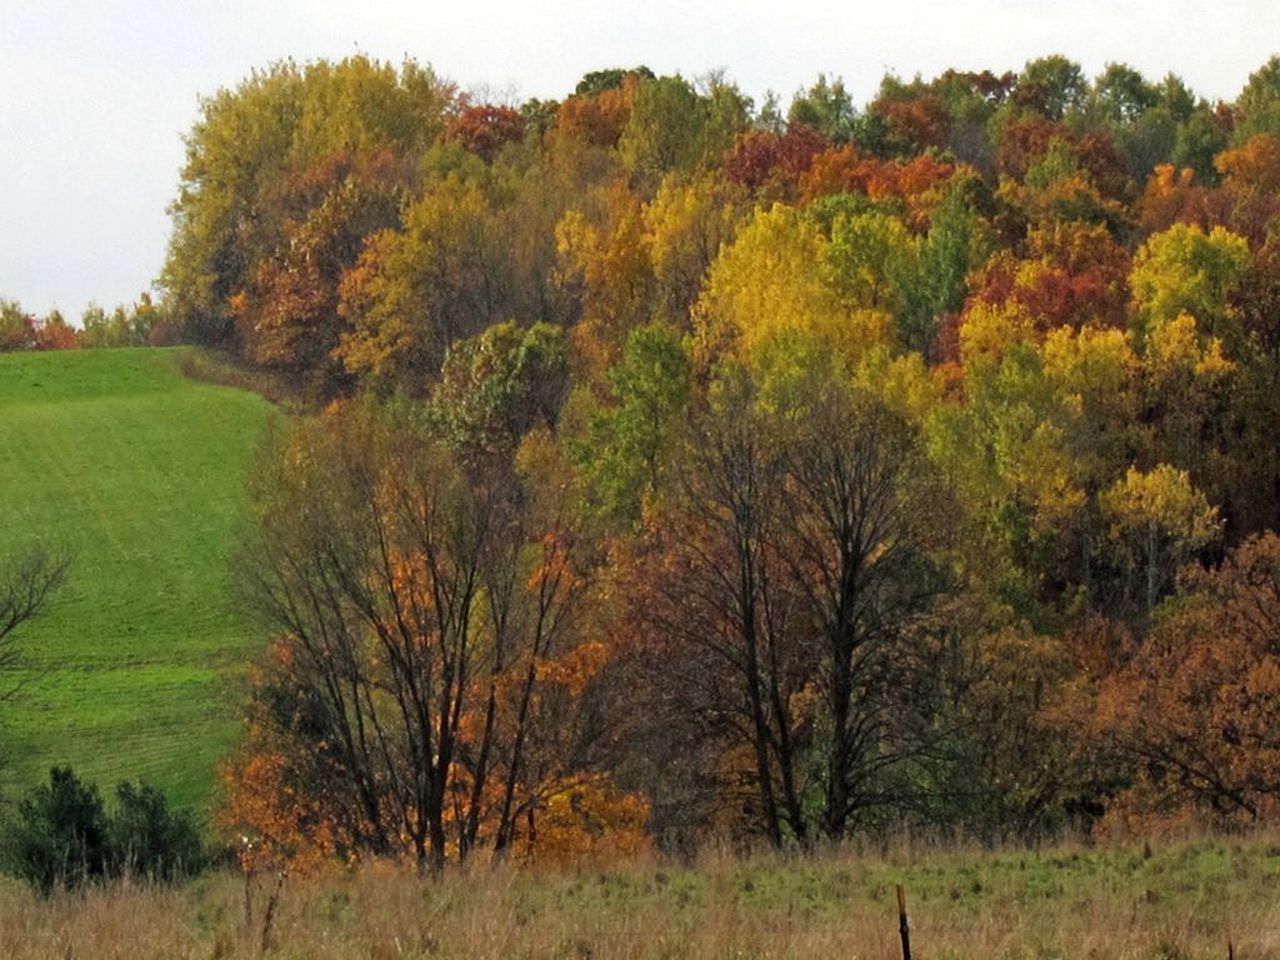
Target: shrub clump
[(63, 835)]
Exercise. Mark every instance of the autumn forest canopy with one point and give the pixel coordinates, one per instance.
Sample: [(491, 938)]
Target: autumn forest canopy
[(671, 465)]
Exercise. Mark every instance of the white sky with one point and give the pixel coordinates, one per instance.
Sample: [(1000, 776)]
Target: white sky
[(94, 96)]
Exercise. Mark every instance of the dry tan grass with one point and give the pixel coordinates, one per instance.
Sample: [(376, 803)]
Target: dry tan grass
[(1182, 902)]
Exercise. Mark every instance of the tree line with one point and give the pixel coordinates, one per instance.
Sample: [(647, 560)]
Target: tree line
[(141, 324), (682, 465)]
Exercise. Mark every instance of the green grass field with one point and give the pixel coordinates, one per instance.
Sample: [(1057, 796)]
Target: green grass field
[(138, 474)]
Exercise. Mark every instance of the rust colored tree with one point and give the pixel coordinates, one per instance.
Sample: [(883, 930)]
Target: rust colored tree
[(422, 697), (1197, 709)]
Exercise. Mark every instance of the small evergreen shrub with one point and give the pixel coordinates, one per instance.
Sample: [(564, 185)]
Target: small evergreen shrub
[(146, 838), (59, 835), (63, 836)]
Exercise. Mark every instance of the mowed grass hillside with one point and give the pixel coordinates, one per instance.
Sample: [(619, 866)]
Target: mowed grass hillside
[(138, 473)]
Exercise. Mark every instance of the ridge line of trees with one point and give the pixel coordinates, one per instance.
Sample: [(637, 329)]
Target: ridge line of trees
[(678, 466)]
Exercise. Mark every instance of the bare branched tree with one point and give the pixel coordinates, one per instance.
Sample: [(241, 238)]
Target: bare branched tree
[(26, 583), (719, 602), (863, 524), (419, 611)]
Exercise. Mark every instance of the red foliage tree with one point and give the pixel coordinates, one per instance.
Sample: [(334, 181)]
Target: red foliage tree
[(1076, 276), (1023, 141), (762, 159), (917, 122), (485, 129), (54, 333)]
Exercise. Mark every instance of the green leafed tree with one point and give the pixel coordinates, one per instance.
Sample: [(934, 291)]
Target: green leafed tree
[(497, 386), (623, 451)]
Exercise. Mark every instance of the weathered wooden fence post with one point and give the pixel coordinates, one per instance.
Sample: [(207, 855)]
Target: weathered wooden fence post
[(903, 929)]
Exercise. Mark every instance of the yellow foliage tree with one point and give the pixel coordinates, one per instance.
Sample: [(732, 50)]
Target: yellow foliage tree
[(1157, 521), (771, 281), (1185, 270), (687, 223)]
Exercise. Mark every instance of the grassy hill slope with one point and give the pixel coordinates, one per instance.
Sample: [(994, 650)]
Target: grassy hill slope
[(138, 473)]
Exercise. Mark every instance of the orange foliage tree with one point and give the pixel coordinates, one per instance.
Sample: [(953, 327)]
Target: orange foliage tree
[(598, 119), (1197, 709), (287, 317), (428, 694), (485, 129)]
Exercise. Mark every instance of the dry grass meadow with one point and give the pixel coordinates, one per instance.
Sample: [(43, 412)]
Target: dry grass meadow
[(1183, 900)]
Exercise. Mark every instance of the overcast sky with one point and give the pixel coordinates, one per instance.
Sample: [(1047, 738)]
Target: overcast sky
[(94, 96)]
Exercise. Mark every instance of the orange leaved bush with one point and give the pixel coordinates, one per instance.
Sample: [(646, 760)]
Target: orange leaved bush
[(1197, 709)]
